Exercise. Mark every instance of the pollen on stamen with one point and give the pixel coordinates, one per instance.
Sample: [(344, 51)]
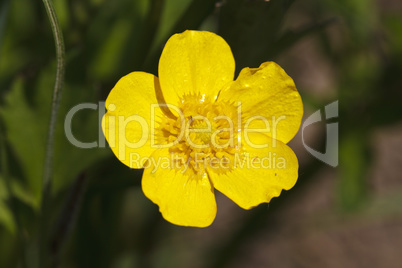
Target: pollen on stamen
[(204, 135)]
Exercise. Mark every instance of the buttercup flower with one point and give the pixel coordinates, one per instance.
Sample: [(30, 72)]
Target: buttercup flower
[(195, 129)]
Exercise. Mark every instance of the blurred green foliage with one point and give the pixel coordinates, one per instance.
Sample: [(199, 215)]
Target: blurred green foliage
[(106, 40)]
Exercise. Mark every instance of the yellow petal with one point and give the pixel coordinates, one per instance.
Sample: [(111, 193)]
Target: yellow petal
[(195, 62), (184, 198), (259, 174), (270, 93), (132, 104)]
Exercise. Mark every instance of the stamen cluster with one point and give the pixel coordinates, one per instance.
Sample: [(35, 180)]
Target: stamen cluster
[(205, 133)]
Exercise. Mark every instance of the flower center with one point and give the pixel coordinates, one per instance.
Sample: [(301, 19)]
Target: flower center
[(203, 134)]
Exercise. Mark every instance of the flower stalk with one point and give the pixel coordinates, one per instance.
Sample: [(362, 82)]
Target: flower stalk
[(48, 164)]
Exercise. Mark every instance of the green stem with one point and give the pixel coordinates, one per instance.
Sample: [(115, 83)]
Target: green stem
[(48, 165)]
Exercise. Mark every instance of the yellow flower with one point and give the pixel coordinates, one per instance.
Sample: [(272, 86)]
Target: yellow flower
[(194, 129)]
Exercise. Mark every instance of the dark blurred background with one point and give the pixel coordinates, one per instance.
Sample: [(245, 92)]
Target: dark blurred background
[(347, 216)]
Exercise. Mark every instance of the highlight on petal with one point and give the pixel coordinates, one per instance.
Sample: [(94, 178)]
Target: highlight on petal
[(132, 106), (258, 174), (184, 197), (267, 92), (195, 63)]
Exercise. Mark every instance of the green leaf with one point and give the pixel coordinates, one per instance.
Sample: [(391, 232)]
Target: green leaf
[(6, 217), (18, 31), (177, 17), (170, 15), (113, 38), (107, 59), (26, 134), (26, 121)]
